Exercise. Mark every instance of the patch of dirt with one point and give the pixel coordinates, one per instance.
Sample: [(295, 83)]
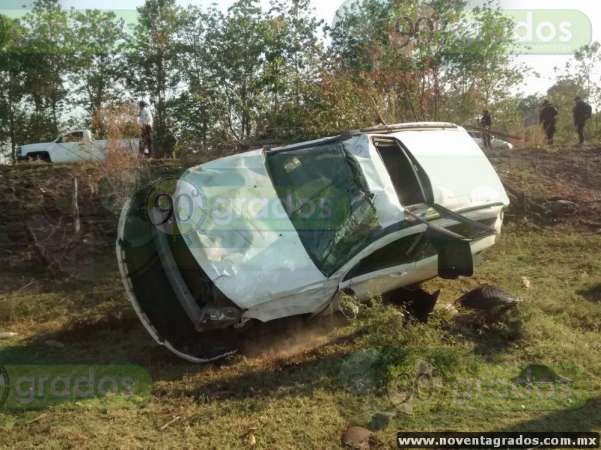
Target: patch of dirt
[(64, 216), (290, 337), (536, 179)]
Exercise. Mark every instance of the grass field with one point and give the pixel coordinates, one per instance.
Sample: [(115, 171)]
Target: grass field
[(310, 381)]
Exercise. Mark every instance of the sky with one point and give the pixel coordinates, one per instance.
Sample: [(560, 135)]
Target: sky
[(578, 19)]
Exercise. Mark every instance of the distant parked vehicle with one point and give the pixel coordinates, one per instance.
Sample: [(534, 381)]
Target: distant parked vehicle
[(73, 146), (495, 142)]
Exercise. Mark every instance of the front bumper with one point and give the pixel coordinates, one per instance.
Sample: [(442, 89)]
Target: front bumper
[(173, 297)]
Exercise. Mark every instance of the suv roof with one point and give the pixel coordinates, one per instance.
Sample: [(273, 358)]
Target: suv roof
[(383, 129)]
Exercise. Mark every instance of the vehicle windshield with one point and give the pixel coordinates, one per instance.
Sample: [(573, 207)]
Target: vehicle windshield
[(327, 199)]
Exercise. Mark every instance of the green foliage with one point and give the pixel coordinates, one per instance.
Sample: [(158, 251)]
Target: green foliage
[(562, 95), (97, 61), (577, 79), (33, 72), (239, 62), (10, 82), (251, 74), (225, 81), (153, 56), (421, 61), (45, 58)]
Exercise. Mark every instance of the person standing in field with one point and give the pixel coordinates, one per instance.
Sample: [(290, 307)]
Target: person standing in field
[(486, 124), (582, 112), (548, 119), (146, 122)]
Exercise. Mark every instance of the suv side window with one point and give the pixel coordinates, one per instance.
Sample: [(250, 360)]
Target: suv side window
[(408, 178), (406, 250)]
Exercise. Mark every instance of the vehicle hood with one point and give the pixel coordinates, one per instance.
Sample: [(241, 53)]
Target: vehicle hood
[(238, 231)]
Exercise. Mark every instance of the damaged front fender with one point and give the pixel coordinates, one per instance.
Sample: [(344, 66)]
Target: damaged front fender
[(172, 295)]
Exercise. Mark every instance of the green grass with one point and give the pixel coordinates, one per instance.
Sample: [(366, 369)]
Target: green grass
[(306, 400)]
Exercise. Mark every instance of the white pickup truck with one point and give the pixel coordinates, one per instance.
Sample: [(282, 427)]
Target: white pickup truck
[(73, 146)]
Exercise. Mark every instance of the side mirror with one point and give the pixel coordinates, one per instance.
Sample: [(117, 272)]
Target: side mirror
[(455, 257)]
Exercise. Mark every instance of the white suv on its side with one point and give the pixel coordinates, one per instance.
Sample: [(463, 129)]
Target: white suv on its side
[(276, 233)]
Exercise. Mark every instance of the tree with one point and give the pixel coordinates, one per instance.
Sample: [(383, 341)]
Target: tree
[(96, 42), (293, 57), (251, 73), (153, 61), (11, 84), (587, 63), (45, 59), (562, 95), (198, 108), (408, 58), (578, 78), (238, 45)]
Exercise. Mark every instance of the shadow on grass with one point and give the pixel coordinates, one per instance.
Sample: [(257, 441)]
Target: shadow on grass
[(123, 341), (119, 337), (300, 375), (582, 419), (490, 339), (592, 294), (106, 340)]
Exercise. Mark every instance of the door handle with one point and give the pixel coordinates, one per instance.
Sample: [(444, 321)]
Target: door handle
[(397, 275)]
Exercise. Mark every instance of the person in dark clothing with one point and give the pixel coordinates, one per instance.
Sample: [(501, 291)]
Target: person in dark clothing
[(485, 124), (582, 112), (548, 119)]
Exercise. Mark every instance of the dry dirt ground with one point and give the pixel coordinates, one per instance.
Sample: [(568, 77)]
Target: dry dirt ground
[(308, 381), (544, 175)]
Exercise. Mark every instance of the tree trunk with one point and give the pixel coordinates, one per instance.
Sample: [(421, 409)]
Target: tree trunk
[(11, 120), (76, 214)]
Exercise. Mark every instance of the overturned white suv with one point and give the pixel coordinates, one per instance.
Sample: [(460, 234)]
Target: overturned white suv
[(275, 233)]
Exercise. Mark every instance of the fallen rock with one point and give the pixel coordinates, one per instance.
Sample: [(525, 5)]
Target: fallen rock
[(356, 438), (487, 298)]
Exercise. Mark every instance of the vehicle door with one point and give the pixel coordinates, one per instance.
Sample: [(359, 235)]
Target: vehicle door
[(88, 148), (394, 263), (67, 147)]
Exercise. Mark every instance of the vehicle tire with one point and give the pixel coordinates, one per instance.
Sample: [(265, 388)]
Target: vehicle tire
[(39, 157)]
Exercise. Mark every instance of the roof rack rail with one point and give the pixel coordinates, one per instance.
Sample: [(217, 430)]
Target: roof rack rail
[(407, 126), (382, 129)]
